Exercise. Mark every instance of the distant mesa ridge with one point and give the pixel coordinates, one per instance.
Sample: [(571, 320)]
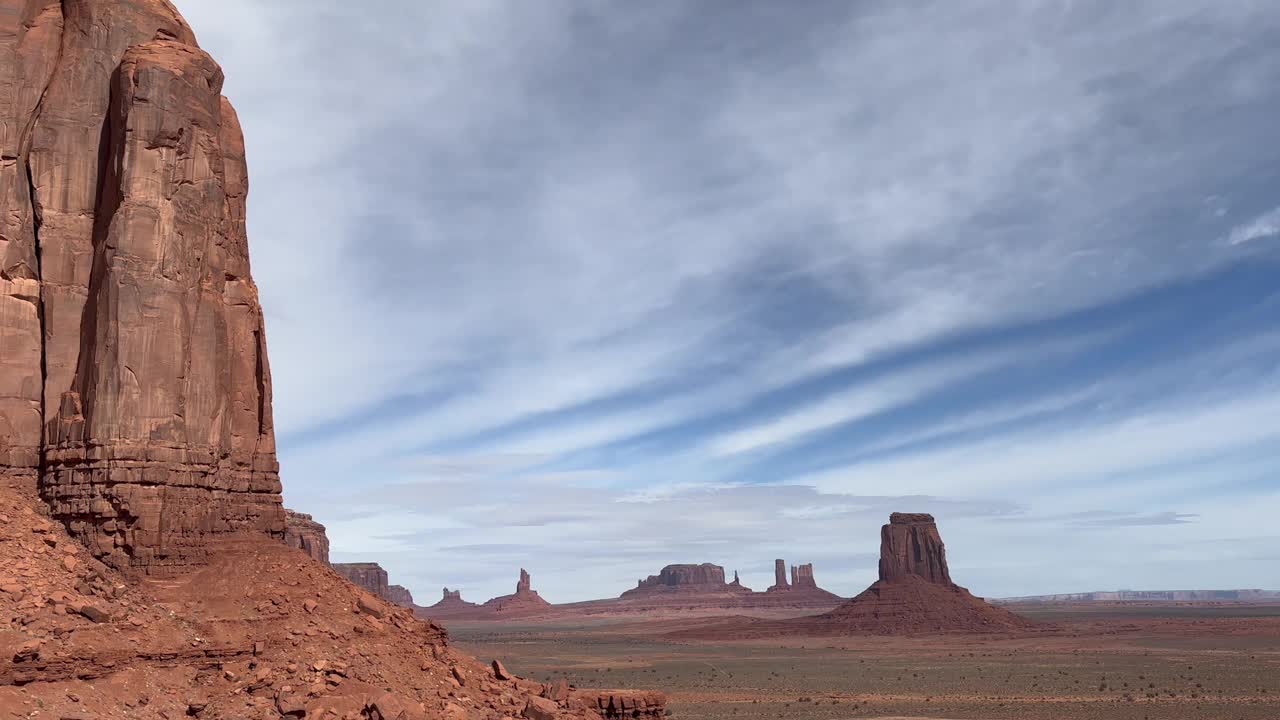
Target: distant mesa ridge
[(1243, 595)]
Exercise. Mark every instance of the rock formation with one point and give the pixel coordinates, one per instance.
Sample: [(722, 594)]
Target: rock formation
[(802, 591), (303, 532), (134, 385), (911, 546), (685, 579), (524, 601), (915, 593), (779, 575), (451, 601), (368, 575), (802, 576), (399, 595)]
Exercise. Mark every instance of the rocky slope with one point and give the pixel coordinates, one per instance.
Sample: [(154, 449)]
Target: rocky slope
[(134, 386), (261, 631)]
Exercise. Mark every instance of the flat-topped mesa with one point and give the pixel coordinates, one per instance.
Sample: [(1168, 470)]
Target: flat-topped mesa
[(134, 385), (370, 576), (704, 578), (911, 545), (303, 532)]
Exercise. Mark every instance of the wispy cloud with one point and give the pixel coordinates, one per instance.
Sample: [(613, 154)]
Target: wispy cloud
[(1266, 225), (670, 249)]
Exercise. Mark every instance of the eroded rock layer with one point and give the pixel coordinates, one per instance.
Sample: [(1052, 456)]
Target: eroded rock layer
[(134, 385)]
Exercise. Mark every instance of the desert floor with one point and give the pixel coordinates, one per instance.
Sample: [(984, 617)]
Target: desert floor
[(1095, 662)]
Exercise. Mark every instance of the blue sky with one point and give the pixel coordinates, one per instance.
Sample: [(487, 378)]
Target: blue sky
[(592, 287)]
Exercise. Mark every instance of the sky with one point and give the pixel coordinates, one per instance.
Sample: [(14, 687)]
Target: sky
[(591, 286)]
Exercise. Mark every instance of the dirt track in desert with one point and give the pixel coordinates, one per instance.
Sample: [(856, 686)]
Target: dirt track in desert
[(1090, 662)]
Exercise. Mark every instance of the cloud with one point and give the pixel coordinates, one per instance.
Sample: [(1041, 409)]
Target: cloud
[(609, 265), (1264, 226)]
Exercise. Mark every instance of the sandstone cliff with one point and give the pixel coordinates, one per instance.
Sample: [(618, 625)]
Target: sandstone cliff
[(134, 386), (370, 576), (303, 532)]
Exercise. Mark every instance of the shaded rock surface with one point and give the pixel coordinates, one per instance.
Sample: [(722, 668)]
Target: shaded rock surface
[(303, 532), (134, 386)]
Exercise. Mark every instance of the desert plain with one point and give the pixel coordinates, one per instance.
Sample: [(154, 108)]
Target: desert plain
[(1089, 661)]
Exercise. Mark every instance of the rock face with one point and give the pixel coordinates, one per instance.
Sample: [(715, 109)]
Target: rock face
[(369, 576), (134, 385), (303, 532), (399, 595), (910, 545)]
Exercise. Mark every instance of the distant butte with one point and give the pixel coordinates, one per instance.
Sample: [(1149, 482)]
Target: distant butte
[(914, 595)]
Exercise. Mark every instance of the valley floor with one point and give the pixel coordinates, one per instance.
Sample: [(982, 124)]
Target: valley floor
[(1091, 662)]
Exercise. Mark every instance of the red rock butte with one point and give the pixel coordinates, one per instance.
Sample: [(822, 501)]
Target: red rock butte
[(914, 595), (134, 387)]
